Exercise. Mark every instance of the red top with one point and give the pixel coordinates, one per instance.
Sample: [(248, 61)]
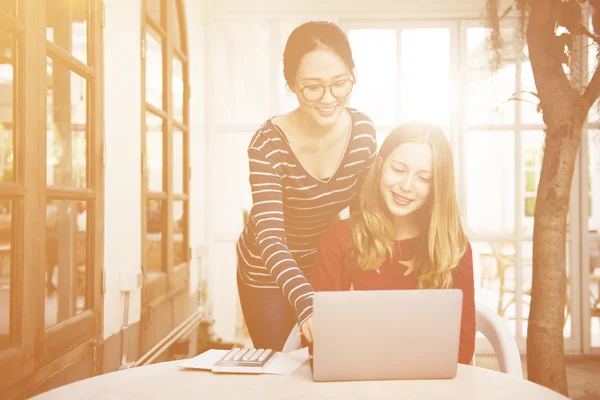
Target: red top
[(335, 270)]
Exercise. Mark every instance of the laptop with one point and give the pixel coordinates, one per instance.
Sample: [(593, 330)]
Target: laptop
[(386, 334)]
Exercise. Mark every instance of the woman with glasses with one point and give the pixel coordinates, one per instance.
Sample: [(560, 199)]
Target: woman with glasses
[(306, 166)]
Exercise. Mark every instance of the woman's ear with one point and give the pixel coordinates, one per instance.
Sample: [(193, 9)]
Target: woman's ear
[(293, 88)]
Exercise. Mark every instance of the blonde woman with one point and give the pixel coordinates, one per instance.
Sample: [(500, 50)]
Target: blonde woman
[(408, 233)]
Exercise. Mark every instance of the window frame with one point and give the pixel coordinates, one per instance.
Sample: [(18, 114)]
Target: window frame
[(174, 279), (68, 341)]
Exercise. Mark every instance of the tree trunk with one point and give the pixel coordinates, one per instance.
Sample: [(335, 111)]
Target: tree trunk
[(545, 342), (564, 111)]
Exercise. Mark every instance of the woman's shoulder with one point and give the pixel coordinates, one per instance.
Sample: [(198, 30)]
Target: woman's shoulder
[(265, 137), (360, 118), (363, 128)]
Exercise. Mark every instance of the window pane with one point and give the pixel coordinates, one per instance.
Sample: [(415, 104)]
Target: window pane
[(493, 269), (532, 147), (425, 75), (530, 206), (594, 181), (381, 135), (231, 194), (594, 114), (487, 92), (528, 102), (67, 115), (67, 22), (6, 108), (66, 260), (375, 90), (490, 186), (594, 292), (6, 234), (154, 9), (154, 153), (531, 181), (178, 161), (6, 155), (594, 234), (177, 89), (154, 69), (154, 242), (9, 7), (177, 32), (526, 273), (179, 232)]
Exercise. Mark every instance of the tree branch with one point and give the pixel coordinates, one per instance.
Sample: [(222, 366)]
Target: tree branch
[(550, 79), (592, 91)]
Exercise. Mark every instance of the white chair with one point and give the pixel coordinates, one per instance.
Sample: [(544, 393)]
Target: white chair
[(489, 323), (495, 330)]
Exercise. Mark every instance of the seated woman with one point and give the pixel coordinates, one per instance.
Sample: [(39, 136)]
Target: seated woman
[(408, 232)]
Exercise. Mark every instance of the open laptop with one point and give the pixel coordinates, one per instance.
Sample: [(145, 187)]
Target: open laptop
[(386, 334)]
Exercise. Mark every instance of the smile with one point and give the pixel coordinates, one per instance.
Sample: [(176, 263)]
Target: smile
[(326, 111), (401, 200)]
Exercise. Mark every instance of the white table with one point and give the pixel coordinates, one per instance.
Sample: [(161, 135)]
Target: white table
[(167, 381)]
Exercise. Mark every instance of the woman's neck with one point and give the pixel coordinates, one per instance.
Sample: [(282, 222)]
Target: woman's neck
[(406, 227), (309, 128)]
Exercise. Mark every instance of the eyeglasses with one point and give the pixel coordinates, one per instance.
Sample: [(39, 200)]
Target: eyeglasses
[(339, 90)]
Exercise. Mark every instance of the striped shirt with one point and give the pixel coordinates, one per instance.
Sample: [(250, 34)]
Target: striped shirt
[(291, 209)]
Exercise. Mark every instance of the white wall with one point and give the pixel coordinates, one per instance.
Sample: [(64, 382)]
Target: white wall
[(122, 130), (122, 93), (594, 151), (196, 15)]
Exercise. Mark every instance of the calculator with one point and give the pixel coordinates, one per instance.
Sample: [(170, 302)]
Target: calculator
[(244, 360)]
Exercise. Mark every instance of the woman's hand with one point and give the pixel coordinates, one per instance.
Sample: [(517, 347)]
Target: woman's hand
[(306, 329)]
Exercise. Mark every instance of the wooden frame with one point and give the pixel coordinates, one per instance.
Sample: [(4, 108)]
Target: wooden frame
[(18, 360), (161, 285), (36, 348), (88, 324)]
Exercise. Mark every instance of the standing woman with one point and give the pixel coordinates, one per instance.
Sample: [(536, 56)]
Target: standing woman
[(305, 167)]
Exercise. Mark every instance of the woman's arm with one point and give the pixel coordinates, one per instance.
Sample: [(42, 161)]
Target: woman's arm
[(463, 279), (329, 271), (271, 238)]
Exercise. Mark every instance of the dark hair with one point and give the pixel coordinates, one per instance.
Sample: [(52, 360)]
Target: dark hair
[(310, 36)]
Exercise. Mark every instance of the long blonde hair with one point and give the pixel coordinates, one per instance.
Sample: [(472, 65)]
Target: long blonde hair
[(372, 229)]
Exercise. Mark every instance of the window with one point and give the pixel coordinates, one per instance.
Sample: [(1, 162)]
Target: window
[(165, 144), (375, 89), (51, 189), (398, 81), (440, 71), (532, 166)]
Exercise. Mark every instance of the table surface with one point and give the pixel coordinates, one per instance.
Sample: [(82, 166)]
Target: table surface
[(167, 381)]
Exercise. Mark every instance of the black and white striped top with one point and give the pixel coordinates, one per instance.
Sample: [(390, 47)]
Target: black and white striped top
[(291, 209)]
